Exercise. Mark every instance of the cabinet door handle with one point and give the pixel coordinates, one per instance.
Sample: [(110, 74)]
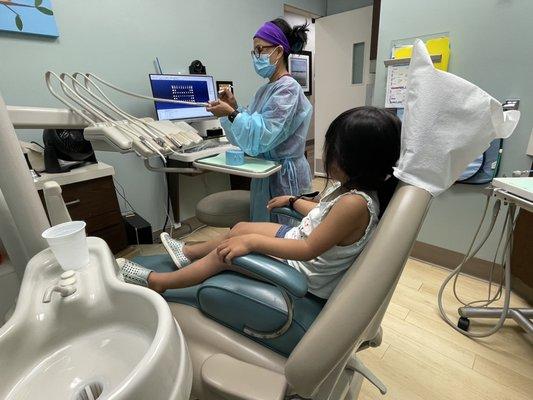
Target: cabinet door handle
[(71, 203)]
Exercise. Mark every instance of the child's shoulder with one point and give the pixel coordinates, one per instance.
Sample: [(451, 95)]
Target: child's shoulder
[(353, 203), (352, 208)]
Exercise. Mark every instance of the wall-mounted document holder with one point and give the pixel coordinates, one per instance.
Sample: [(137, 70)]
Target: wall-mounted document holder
[(437, 58), (438, 46)]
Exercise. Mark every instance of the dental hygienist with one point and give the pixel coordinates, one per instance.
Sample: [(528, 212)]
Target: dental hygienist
[(274, 126)]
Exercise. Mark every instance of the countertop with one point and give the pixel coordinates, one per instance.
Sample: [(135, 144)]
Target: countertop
[(85, 173)]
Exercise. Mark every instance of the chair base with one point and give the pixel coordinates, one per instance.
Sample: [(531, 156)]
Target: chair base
[(206, 338), (226, 378), (522, 316)]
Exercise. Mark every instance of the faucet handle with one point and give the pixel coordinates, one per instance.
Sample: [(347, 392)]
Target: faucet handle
[(67, 282), (68, 274)]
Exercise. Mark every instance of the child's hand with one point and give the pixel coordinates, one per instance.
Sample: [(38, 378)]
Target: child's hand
[(236, 247), (280, 201)]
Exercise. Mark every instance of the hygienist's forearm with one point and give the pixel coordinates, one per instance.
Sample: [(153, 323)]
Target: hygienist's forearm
[(287, 249)]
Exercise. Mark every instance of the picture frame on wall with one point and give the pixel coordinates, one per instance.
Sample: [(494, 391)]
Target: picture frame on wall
[(28, 17), (301, 69)]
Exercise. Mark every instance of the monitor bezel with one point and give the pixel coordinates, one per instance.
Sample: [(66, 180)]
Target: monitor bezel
[(206, 118)]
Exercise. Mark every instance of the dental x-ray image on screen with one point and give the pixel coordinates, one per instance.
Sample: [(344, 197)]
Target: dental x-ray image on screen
[(193, 88)]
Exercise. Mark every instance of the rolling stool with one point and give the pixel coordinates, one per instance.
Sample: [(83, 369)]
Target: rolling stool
[(224, 209)]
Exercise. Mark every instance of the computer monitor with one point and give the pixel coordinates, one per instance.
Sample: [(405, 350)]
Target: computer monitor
[(196, 88)]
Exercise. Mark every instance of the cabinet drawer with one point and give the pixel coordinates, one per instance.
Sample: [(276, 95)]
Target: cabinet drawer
[(99, 222), (114, 235), (85, 200)]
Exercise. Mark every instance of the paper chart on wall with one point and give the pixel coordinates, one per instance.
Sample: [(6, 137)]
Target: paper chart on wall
[(397, 74), (396, 86)]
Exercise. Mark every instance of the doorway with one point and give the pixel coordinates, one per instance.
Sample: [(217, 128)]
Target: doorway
[(297, 16), (343, 77)]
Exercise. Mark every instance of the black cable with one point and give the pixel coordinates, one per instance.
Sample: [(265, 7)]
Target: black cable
[(166, 218), (123, 194), (127, 202), (40, 145), (165, 179)]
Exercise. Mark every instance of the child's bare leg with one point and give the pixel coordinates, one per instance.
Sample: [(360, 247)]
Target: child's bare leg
[(196, 251), (199, 250), (191, 275), (209, 264)]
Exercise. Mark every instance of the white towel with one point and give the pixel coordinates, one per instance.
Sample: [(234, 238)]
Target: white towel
[(448, 122)]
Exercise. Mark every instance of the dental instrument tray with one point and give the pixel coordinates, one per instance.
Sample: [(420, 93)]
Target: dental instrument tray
[(252, 168)]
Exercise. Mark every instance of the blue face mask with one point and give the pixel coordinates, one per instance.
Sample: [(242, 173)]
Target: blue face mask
[(263, 67)]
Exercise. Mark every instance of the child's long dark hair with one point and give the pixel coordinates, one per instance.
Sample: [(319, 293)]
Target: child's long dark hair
[(364, 143)]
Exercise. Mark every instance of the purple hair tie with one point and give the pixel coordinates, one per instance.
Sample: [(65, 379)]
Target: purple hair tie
[(273, 34)]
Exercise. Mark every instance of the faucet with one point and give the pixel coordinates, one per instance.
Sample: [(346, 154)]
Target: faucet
[(65, 287), (63, 290)]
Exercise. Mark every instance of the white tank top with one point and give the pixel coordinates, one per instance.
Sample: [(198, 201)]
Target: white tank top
[(325, 271)]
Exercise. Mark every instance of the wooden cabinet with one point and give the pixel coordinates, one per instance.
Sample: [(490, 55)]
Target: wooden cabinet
[(522, 256), (95, 202)]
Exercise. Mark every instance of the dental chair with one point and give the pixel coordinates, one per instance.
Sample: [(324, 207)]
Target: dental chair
[(267, 338)]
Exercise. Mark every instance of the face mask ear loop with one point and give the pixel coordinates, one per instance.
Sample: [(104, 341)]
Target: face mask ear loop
[(272, 52)]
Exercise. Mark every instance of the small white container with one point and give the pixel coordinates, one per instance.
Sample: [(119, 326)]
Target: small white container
[(68, 242)]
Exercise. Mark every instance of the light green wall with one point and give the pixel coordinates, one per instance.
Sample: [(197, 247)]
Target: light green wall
[(317, 7), (491, 46), (339, 6), (119, 40)]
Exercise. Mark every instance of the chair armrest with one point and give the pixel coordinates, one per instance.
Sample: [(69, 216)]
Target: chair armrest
[(274, 271), (286, 211)]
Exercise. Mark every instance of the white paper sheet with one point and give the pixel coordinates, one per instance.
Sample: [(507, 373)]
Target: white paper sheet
[(396, 86), (448, 122)]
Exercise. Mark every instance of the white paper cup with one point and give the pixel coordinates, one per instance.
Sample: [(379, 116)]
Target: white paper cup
[(68, 242)]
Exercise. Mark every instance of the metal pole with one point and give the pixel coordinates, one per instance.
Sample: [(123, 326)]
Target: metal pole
[(18, 188)]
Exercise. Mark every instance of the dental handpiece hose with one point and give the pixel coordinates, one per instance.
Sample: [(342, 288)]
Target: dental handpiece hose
[(471, 252)]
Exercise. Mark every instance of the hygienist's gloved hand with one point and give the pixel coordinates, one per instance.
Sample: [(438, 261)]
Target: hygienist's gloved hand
[(220, 108), (227, 96), (448, 123)]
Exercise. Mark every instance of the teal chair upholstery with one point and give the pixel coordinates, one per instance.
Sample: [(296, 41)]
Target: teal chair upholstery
[(250, 306), (274, 309), (288, 212)]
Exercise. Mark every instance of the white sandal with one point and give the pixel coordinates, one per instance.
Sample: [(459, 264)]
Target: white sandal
[(133, 273), (175, 249)]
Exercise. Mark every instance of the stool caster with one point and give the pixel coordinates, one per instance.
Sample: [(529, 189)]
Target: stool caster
[(463, 324)]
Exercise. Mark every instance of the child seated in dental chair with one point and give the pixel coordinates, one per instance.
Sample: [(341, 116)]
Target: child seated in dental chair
[(361, 148)]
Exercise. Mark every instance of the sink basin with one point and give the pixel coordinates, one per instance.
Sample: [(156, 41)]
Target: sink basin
[(108, 340)]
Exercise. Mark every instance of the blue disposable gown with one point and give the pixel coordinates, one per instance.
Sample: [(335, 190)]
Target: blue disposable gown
[(274, 127)]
